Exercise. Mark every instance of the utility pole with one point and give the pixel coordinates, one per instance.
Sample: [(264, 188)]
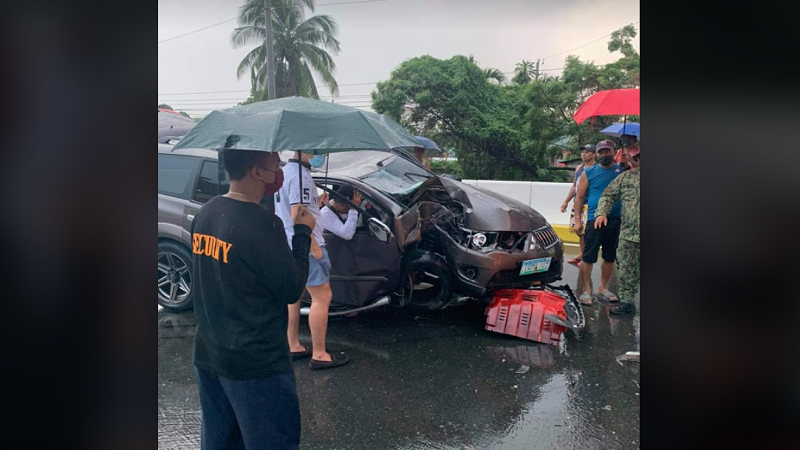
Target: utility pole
[(538, 61), (270, 54)]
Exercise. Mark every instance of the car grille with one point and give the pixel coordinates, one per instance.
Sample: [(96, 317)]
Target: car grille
[(546, 237), (511, 279)]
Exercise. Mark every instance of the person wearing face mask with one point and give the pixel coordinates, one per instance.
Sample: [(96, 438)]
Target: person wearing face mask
[(245, 275), (318, 284), (625, 189), (593, 182)]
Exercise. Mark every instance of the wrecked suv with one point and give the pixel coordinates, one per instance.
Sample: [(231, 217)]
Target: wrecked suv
[(422, 240), (449, 237)]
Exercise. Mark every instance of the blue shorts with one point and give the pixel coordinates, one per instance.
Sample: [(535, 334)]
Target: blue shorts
[(319, 270)]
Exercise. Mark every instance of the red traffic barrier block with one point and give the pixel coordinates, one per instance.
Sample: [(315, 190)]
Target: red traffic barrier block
[(522, 313)]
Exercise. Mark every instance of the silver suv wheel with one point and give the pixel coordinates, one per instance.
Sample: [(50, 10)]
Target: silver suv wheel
[(174, 277)]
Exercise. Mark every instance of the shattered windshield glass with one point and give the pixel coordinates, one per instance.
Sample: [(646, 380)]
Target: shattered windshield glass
[(396, 176), (384, 171)]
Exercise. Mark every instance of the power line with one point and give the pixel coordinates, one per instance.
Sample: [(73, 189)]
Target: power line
[(197, 31), (370, 83), (235, 18), (540, 70), (216, 105), (199, 102), (209, 92), (248, 90), (351, 3), (585, 45), (238, 99)]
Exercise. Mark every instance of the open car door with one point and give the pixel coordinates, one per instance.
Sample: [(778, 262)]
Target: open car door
[(363, 269)]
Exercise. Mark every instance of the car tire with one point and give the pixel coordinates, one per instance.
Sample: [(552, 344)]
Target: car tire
[(420, 269), (175, 287)]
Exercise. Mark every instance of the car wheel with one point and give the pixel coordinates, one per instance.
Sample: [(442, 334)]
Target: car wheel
[(174, 277), (427, 279)]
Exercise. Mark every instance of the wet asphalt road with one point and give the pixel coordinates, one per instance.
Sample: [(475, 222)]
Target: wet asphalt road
[(440, 381)]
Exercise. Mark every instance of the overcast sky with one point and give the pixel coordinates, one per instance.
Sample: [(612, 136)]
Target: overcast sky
[(377, 36)]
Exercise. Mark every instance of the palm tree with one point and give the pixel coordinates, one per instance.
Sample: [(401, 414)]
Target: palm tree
[(525, 72), (299, 47), (495, 74), (490, 74)]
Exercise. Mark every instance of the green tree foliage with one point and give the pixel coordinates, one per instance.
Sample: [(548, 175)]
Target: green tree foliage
[(447, 167), (525, 73), (454, 101), (301, 47), (505, 131), (495, 75)]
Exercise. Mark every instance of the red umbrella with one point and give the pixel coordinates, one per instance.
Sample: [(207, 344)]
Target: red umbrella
[(616, 102)]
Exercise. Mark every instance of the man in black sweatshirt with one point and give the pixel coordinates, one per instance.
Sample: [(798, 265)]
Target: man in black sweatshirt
[(245, 275)]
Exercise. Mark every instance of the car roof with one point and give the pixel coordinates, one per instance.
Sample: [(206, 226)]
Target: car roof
[(196, 152), (348, 164)]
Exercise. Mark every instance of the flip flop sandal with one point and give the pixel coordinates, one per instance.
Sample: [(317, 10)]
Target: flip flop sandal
[(586, 300), (608, 296)]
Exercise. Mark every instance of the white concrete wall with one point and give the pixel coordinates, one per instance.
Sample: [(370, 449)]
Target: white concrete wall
[(543, 197)]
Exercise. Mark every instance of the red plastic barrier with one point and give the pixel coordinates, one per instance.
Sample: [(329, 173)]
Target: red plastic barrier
[(521, 313)]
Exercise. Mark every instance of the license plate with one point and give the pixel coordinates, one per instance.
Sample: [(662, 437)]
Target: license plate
[(535, 266)]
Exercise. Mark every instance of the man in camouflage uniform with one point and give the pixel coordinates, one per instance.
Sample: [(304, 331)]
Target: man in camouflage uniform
[(625, 188)]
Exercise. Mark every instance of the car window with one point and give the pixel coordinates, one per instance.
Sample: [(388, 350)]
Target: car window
[(177, 174), (396, 177), (384, 171), (373, 208), (208, 185)]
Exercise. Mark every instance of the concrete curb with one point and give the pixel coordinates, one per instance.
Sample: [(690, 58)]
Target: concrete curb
[(563, 232)]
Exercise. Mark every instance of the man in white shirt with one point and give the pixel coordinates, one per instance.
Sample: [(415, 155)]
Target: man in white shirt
[(318, 284), (337, 216)]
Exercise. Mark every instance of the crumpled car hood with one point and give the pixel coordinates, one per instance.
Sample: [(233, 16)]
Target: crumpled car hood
[(486, 210)]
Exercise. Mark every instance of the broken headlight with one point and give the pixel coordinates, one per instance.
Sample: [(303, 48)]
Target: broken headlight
[(480, 240)]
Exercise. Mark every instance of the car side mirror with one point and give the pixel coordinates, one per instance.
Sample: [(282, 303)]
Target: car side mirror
[(379, 231)]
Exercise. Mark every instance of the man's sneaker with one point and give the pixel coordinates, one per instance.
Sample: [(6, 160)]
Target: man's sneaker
[(624, 308)]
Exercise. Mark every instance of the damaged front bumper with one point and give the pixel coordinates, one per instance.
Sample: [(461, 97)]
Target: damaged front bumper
[(477, 272)]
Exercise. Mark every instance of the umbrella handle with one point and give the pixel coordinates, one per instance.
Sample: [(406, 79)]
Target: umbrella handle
[(300, 179)]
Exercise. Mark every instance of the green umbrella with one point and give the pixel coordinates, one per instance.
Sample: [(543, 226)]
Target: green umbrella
[(297, 124)]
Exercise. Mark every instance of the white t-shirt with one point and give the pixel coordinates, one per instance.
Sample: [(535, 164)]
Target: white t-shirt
[(289, 195), (331, 221)]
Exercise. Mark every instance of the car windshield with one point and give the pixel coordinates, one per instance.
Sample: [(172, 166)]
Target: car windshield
[(387, 172)]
